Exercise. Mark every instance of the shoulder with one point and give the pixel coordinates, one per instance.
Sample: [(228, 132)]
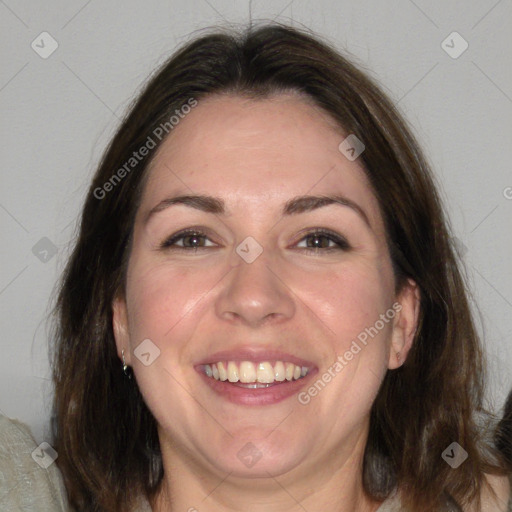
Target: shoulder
[(29, 479), (12, 431), (392, 503), (496, 494)]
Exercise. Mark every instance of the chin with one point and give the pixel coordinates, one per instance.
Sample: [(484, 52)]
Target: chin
[(257, 459)]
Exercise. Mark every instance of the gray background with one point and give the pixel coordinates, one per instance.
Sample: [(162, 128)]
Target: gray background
[(58, 114)]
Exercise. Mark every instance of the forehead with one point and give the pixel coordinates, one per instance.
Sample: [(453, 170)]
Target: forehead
[(252, 151)]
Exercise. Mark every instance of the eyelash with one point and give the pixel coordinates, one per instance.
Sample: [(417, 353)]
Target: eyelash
[(342, 244)]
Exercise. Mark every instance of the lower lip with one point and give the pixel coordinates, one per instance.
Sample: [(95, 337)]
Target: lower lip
[(257, 396)]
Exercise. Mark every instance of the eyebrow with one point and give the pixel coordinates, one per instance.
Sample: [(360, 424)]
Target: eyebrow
[(299, 204)]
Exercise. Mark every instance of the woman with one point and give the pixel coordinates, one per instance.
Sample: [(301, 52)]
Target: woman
[(263, 305)]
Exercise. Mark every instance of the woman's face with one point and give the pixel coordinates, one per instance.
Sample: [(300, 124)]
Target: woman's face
[(260, 287)]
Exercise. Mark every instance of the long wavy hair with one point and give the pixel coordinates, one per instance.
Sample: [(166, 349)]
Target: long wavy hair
[(105, 435)]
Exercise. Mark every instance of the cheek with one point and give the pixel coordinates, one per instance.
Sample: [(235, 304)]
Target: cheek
[(163, 304), (161, 296), (352, 304), (349, 301)]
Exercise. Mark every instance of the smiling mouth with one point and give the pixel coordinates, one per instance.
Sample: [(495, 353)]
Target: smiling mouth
[(255, 375)]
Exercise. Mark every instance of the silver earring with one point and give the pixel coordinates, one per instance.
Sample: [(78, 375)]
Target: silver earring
[(126, 368)]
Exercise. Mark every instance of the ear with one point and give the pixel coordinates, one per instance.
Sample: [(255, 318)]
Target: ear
[(405, 323), (120, 327)]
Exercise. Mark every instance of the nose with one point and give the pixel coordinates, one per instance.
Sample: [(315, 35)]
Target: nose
[(255, 293)]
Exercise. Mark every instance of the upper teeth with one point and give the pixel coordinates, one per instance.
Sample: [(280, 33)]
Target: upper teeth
[(248, 371)]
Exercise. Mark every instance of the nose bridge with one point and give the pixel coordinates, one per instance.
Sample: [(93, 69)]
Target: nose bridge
[(254, 291)]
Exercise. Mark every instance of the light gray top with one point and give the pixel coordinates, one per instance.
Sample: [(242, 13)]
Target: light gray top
[(29, 480)]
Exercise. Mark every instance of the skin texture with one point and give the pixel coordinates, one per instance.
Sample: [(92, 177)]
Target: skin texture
[(256, 155)]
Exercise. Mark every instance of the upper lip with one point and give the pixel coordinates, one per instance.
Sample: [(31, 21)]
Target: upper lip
[(256, 354)]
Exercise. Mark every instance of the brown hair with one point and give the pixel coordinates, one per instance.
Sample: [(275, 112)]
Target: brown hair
[(105, 435), (504, 432)]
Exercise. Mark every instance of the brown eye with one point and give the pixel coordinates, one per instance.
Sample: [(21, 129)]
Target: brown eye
[(326, 240), (190, 239)]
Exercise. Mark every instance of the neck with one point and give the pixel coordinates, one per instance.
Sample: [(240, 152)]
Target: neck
[(330, 484)]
